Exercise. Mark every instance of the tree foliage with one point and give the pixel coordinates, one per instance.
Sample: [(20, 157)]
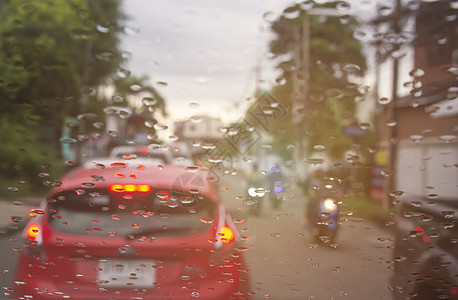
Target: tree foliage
[(336, 60), (52, 52), (132, 88)]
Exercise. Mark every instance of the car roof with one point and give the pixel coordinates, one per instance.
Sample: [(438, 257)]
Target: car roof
[(137, 148), (106, 161), (160, 177)]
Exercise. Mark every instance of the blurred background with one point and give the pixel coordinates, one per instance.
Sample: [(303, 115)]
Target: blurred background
[(364, 89), (346, 81)]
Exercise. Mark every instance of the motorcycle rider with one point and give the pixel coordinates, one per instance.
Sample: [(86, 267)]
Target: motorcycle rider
[(276, 185), (255, 189), (320, 185)]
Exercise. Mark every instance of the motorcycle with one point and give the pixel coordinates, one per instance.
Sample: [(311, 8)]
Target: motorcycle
[(323, 219), (260, 188), (256, 195), (275, 195)]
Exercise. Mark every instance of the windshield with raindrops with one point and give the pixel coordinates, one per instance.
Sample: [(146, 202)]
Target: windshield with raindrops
[(214, 150)]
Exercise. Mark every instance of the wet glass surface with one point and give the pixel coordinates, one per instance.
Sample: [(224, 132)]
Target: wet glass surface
[(244, 150)]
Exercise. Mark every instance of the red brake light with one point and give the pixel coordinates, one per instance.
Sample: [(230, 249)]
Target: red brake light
[(226, 234), (143, 188), (32, 231), (129, 188), (116, 188)]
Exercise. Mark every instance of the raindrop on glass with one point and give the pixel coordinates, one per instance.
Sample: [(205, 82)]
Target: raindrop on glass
[(69, 162), (66, 140), (192, 168), (315, 161), (352, 68), (280, 80), (149, 101), (391, 123), (152, 136), (160, 127), (416, 138), (194, 105), (307, 4), (319, 147), (447, 138), (117, 98), (196, 119), (417, 73), (343, 6), (149, 124), (384, 100), (269, 16), (98, 125), (135, 87), (123, 73)]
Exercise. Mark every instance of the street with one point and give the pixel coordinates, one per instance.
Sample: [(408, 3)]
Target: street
[(285, 264), (282, 262)]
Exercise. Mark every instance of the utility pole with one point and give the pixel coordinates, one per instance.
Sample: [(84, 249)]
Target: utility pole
[(88, 60), (299, 95), (391, 116), (301, 86)]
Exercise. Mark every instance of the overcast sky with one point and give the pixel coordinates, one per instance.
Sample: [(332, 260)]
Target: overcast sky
[(206, 50)]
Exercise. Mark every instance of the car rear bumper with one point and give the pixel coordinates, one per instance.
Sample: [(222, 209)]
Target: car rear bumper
[(35, 281)]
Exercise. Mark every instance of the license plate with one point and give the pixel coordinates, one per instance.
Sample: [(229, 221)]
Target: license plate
[(126, 273)]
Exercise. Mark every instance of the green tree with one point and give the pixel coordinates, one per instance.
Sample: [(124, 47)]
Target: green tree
[(336, 59), (53, 54), (132, 88)]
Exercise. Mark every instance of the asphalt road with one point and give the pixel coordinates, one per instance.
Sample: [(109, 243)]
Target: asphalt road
[(285, 264), (282, 262)]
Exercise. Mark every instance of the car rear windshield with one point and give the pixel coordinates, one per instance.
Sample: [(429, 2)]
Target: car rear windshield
[(154, 213)]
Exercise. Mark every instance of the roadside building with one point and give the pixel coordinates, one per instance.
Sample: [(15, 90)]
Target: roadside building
[(426, 120)]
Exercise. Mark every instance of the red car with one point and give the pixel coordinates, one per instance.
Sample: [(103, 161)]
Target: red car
[(132, 232)]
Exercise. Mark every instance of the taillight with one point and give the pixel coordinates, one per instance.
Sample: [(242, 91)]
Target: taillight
[(33, 232), (129, 188), (143, 188), (33, 241), (116, 188), (226, 235), (224, 247)]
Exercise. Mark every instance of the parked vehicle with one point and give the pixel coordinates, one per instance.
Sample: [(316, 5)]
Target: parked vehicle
[(126, 232), (168, 154), (425, 255)]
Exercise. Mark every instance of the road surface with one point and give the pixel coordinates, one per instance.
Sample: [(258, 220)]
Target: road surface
[(285, 264), (282, 262)]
